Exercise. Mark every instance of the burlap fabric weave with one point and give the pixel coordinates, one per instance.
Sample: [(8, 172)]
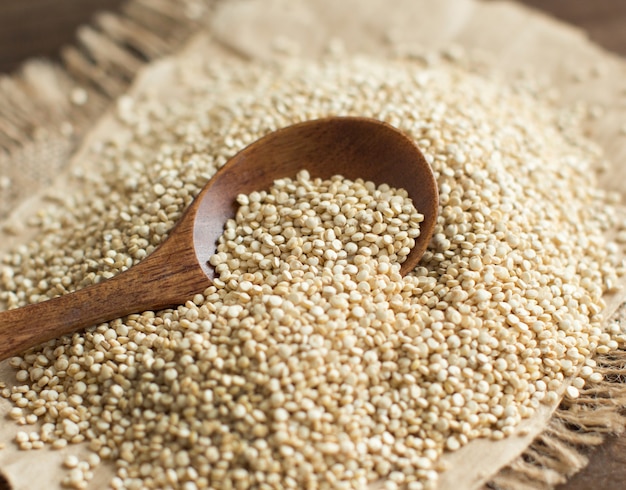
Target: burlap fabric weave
[(47, 109)]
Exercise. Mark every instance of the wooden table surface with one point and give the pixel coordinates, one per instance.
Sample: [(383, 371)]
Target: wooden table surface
[(40, 27)]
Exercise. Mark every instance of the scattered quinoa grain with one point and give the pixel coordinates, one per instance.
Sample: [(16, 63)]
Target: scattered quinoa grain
[(59, 443), (310, 351), (16, 413)]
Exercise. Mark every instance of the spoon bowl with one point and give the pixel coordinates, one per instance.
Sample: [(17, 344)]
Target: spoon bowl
[(178, 269), (349, 146)]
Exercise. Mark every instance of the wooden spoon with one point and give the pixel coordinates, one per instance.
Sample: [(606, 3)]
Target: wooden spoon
[(178, 269)]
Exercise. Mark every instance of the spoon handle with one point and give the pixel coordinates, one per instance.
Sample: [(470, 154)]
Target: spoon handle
[(163, 280)]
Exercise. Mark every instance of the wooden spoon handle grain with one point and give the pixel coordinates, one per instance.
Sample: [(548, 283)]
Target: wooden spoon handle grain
[(161, 281)]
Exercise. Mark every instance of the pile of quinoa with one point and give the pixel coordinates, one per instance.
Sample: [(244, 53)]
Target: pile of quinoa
[(310, 225), (304, 370)]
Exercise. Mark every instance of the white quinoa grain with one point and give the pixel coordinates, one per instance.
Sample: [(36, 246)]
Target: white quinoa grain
[(70, 461), (311, 351), (572, 392)]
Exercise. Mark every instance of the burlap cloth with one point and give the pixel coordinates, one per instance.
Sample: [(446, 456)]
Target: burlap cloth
[(49, 117)]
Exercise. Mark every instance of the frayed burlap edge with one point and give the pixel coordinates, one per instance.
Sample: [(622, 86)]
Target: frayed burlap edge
[(46, 108), (576, 427)]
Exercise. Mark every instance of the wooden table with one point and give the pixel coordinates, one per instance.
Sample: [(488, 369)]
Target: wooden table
[(39, 27)]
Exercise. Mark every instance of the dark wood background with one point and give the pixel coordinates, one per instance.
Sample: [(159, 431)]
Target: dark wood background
[(40, 27)]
